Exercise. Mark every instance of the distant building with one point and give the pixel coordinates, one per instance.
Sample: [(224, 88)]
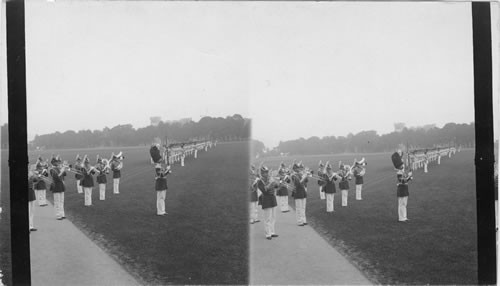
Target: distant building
[(155, 120), (181, 121)]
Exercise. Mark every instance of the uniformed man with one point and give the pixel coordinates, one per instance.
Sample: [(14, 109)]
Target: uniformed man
[(78, 174), (299, 181), (282, 192), (269, 204), (87, 180), (358, 173), (329, 189), (321, 183), (102, 171), (161, 189), (403, 193), (345, 175), (116, 166), (57, 187), (41, 173)]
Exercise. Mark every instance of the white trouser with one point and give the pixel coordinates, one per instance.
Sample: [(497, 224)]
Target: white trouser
[(79, 187), (270, 220), (88, 196), (439, 160), (31, 211), (182, 161), (300, 210), (402, 202), (425, 167), (358, 192), (116, 185), (254, 213), (283, 203), (321, 194), (344, 198), (59, 204), (41, 196), (329, 202), (160, 202), (102, 192)]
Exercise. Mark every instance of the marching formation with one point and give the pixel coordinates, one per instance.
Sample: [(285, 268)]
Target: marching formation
[(45, 175), (270, 189)]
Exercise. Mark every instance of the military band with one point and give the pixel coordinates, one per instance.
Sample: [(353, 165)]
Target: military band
[(87, 181)]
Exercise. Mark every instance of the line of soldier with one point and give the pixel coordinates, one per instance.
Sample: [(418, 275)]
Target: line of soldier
[(271, 190), (44, 175)]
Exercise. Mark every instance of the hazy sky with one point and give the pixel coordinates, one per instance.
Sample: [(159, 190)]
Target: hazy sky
[(298, 69)]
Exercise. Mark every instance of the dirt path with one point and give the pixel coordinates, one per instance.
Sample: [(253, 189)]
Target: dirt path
[(62, 255), (298, 256)]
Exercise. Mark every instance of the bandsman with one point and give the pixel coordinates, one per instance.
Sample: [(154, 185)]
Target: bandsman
[(402, 193), (78, 174), (299, 181), (161, 189), (58, 173), (358, 173), (329, 179), (254, 196), (102, 171), (269, 204), (321, 183), (40, 174), (345, 176), (116, 166), (282, 193), (87, 181)]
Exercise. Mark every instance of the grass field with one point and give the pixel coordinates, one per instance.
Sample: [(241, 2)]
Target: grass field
[(202, 240), (437, 246)]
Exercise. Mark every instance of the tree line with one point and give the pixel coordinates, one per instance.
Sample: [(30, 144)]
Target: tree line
[(369, 141), (231, 128)]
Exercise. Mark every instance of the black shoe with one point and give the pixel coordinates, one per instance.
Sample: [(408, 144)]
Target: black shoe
[(33, 229), (252, 222), (63, 217), (59, 218), (305, 223), (256, 221), (269, 238), (274, 235), (301, 224)]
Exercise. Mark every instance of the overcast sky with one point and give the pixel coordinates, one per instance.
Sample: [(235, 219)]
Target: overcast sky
[(298, 69)]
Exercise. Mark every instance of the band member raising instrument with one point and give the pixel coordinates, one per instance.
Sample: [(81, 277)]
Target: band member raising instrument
[(116, 166), (299, 193), (102, 170), (321, 183), (269, 204), (78, 175), (282, 192), (329, 178), (161, 189), (403, 177), (87, 180), (58, 172), (40, 174), (254, 196), (31, 198), (359, 172), (345, 175)]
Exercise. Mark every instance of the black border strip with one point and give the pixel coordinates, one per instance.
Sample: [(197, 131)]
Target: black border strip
[(484, 159), (18, 143)]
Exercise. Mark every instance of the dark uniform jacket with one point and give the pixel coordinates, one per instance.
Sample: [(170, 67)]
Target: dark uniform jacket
[(57, 185), (358, 177), (161, 180), (40, 182), (101, 175), (283, 189), (321, 182), (87, 180), (344, 181), (299, 191), (268, 197), (116, 173), (329, 184), (402, 190)]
